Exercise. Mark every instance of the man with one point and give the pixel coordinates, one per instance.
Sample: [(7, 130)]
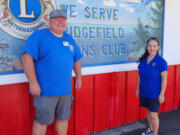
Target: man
[(48, 59)]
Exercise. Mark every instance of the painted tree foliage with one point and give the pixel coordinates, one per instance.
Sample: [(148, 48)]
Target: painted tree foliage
[(146, 30)]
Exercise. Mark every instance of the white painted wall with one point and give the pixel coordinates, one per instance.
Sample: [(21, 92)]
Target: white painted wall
[(171, 32), (171, 49)]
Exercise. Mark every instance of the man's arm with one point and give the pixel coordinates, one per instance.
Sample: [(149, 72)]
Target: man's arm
[(77, 70), (29, 70)]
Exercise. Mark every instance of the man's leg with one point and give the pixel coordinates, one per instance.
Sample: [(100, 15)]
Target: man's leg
[(45, 108), (39, 129), (61, 127), (63, 113)]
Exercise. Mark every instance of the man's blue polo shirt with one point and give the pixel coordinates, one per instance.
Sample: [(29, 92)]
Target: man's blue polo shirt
[(53, 60), (150, 76)]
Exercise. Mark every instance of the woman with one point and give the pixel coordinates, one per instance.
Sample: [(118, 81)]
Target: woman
[(152, 83)]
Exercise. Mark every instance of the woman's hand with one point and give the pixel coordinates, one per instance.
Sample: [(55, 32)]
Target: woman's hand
[(161, 98), (137, 93), (137, 89)]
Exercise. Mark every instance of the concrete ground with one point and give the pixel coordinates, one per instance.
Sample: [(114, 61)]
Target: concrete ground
[(169, 125)]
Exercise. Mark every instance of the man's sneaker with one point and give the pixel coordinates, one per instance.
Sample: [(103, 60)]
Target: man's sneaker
[(148, 132)]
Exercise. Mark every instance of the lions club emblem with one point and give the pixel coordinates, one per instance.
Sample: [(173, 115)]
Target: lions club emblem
[(19, 18)]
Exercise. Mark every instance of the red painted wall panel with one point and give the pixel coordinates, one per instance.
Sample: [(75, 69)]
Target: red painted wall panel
[(31, 110), (84, 106), (50, 130), (14, 110), (118, 99), (161, 109), (142, 113), (170, 90), (177, 88), (24, 108), (132, 102), (71, 128), (102, 102)]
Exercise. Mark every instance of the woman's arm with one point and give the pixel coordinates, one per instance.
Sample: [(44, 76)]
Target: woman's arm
[(137, 88), (163, 86)]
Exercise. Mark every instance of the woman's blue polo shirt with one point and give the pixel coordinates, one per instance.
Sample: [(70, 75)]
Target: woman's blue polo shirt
[(53, 60), (150, 76)]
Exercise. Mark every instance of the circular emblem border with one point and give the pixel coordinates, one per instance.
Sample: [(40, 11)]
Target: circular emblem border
[(12, 26), (23, 23)]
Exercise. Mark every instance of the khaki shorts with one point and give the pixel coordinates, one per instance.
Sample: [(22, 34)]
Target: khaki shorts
[(48, 106)]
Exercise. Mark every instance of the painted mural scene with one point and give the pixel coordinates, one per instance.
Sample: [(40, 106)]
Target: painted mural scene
[(89, 67), (107, 32)]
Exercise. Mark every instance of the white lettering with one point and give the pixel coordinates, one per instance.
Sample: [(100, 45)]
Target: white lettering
[(24, 11)]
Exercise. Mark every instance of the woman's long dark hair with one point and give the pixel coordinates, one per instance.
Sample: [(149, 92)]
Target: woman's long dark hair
[(146, 53)]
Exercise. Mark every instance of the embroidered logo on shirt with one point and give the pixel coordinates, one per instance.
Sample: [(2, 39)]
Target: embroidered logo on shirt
[(71, 47), (154, 64), (66, 43)]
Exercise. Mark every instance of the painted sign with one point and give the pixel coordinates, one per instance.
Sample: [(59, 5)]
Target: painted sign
[(107, 31)]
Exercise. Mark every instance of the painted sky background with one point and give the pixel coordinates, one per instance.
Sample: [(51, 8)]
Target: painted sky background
[(128, 10)]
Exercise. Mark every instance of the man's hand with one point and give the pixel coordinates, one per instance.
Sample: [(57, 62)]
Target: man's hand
[(77, 83), (35, 89)]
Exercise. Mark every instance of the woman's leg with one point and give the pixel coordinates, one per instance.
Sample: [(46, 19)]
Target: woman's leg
[(149, 119), (154, 121)]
